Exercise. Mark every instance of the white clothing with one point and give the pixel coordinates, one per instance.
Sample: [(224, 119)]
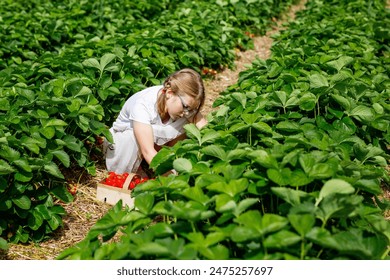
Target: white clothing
[(124, 154)]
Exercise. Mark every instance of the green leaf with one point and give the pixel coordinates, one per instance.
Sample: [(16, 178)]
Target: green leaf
[(262, 224), (144, 203), (182, 165), (318, 81), (48, 132), (105, 60), (299, 178), (335, 186), (23, 164), (9, 153), (372, 186), (307, 101), (283, 238), (224, 203), (262, 127), (215, 151), (22, 202), (54, 222), (23, 177), (321, 171), (291, 196), (35, 220), (210, 136), (3, 244), (161, 230), (196, 193), (92, 62), (62, 194), (218, 252), (193, 131), (243, 205), (362, 113), (343, 101), (62, 156), (54, 122), (281, 177), (5, 168), (302, 223), (263, 158), (240, 97), (340, 62), (53, 169)]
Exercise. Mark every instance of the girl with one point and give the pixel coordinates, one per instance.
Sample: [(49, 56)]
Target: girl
[(154, 117)]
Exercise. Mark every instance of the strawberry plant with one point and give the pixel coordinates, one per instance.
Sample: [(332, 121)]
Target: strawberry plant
[(290, 166), (63, 80)]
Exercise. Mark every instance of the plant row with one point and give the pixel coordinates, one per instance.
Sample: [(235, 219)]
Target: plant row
[(66, 68), (290, 166)]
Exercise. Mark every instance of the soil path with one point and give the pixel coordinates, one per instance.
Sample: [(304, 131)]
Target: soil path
[(86, 210), (262, 50)]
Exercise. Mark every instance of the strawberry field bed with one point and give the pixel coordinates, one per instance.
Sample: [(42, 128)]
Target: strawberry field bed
[(65, 70), (291, 166)]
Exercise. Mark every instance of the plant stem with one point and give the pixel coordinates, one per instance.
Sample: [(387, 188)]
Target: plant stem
[(303, 249), (193, 227), (385, 253)]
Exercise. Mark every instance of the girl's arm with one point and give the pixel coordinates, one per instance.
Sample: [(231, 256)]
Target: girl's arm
[(144, 135), (200, 120)]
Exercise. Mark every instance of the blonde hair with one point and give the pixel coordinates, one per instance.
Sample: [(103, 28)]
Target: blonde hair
[(183, 82)]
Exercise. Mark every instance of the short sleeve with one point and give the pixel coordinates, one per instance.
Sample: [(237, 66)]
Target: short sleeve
[(140, 112)]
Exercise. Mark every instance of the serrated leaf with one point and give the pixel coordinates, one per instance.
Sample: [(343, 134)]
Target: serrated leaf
[(318, 81), (53, 169), (9, 153), (91, 62), (302, 223), (335, 186), (48, 132), (144, 202), (363, 113), (263, 158), (23, 163), (62, 156), (5, 168), (281, 177), (182, 165), (105, 60), (341, 62), (215, 151), (240, 97), (54, 122), (192, 130), (210, 136), (62, 193), (281, 239), (25, 177), (54, 222), (289, 195)]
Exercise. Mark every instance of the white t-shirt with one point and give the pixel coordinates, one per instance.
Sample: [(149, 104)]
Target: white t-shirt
[(142, 107)]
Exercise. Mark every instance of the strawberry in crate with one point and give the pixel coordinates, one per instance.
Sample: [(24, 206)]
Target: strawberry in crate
[(118, 180)]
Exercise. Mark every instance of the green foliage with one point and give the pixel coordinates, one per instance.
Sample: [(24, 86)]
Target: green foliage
[(288, 166), (67, 67)]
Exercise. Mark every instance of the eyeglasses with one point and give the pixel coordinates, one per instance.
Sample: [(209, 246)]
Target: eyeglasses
[(187, 112)]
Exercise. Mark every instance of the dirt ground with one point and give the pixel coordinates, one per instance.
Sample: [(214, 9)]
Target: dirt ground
[(86, 209)]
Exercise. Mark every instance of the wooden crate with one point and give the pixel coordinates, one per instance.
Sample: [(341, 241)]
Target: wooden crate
[(112, 195)]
